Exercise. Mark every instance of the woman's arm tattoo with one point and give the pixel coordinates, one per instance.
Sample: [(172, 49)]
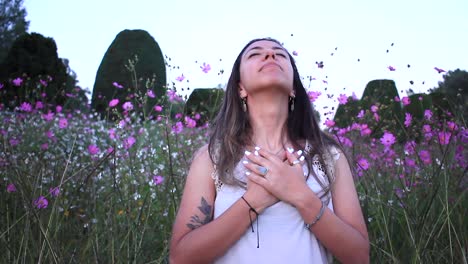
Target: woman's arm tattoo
[(197, 221)]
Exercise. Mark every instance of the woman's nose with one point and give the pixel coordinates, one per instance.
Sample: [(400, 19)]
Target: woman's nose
[(270, 53)]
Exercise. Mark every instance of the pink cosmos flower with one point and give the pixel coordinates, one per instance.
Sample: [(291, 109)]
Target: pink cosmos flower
[(410, 162), (205, 67), (376, 117), (11, 188), (313, 95), (41, 202), (363, 163), (58, 109), (294, 53), (150, 94), (1, 86), (127, 106), (178, 127), (45, 146), (14, 141), (374, 108), (342, 99), (410, 147), (190, 123), (26, 107), (388, 139), (110, 150), (93, 150), (397, 99), (452, 126), (63, 123), (54, 191), (44, 83), (180, 78), (366, 131), (173, 96), (329, 123), (39, 105), (361, 114), (427, 114), (128, 143), (391, 68), (197, 116), (444, 137), (354, 96), (17, 82), (439, 70), (325, 81), (157, 179), (113, 102), (408, 119), (158, 108), (117, 85), (178, 115), (425, 157), (406, 100), (50, 134)]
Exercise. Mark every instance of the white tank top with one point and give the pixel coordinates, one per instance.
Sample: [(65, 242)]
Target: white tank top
[(283, 236)]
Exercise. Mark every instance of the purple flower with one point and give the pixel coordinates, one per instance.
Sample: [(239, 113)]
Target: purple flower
[(313, 95), (405, 100), (425, 157), (39, 105), (41, 202), (173, 96), (1, 86), (17, 82), (180, 78), (178, 127), (14, 141), (26, 107), (342, 99), (410, 147), (361, 114), (44, 83), (444, 138), (63, 123), (391, 68), (44, 146), (128, 142), (190, 123), (127, 106), (388, 139), (428, 114), (11, 188), (354, 96), (374, 108), (117, 85), (150, 94), (329, 123), (93, 150), (410, 162), (48, 117), (294, 53), (58, 108), (157, 180), (408, 119), (363, 163), (158, 108), (113, 102), (205, 67), (54, 191)]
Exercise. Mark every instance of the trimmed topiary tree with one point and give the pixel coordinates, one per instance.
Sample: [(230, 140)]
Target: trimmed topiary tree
[(204, 101), (346, 114), (32, 67), (132, 65)]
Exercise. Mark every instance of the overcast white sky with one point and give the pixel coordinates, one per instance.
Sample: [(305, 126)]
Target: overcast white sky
[(425, 33)]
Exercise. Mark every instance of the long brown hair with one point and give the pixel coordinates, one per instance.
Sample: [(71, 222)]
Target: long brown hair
[(232, 130)]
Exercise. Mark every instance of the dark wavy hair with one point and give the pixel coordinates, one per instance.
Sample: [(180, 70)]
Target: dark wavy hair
[(231, 130)]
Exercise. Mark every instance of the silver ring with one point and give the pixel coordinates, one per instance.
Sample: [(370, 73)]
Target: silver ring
[(295, 162), (263, 171)]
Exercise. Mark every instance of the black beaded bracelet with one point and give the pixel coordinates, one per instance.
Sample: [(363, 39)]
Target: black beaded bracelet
[(317, 218), (251, 209)]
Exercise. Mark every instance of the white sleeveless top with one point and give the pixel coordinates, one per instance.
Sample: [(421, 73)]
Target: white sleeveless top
[(283, 236)]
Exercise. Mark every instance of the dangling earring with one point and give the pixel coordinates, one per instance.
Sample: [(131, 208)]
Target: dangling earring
[(292, 99), (244, 104)]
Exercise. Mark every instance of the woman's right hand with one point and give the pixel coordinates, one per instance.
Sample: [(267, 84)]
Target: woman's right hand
[(259, 197)]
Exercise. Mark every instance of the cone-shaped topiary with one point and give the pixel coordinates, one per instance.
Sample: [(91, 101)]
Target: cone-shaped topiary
[(205, 102), (346, 114), (132, 66)]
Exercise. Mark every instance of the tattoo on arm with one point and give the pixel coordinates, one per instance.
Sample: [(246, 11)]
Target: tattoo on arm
[(197, 221)]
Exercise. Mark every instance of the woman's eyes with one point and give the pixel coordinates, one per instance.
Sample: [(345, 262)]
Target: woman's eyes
[(277, 54)]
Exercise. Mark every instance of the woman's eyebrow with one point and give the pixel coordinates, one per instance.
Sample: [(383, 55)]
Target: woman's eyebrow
[(260, 48)]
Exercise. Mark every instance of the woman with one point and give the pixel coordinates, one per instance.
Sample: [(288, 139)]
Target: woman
[(270, 187)]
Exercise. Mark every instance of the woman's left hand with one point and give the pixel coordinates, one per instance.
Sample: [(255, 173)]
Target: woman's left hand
[(283, 179)]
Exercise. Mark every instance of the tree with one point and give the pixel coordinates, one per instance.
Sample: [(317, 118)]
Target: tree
[(12, 24), (132, 62), (455, 88), (205, 102)]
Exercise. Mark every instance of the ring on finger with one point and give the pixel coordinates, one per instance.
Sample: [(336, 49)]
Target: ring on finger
[(263, 171), (295, 162)]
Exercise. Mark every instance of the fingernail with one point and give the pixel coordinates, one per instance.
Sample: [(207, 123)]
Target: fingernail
[(256, 153), (290, 150), (302, 158), (245, 162), (247, 152), (257, 148), (247, 173), (299, 152)]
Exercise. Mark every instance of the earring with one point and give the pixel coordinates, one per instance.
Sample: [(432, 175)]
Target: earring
[(291, 102), (244, 104)]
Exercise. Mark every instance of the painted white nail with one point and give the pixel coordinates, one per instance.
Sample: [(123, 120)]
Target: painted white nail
[(247, 173), (247, 152), (257, 148), (299, 152), (290, 150), (302, 158), (245, 162), (256, 153)]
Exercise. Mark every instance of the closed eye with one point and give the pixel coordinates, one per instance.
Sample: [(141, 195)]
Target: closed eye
[(253, 54), (281, 54)]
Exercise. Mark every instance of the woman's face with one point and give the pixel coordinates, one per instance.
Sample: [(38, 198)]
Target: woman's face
[(265, 65)]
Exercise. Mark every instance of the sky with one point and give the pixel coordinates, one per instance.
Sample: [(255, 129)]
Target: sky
[(353, 38)]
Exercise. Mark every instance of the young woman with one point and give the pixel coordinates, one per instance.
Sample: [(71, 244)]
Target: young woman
[(270, 187)]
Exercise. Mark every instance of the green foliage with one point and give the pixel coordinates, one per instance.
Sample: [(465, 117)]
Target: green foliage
[(31, 58), (455, 88), (12, 24), (205, 102), (346, 114), (131, 51), (418, 103)]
